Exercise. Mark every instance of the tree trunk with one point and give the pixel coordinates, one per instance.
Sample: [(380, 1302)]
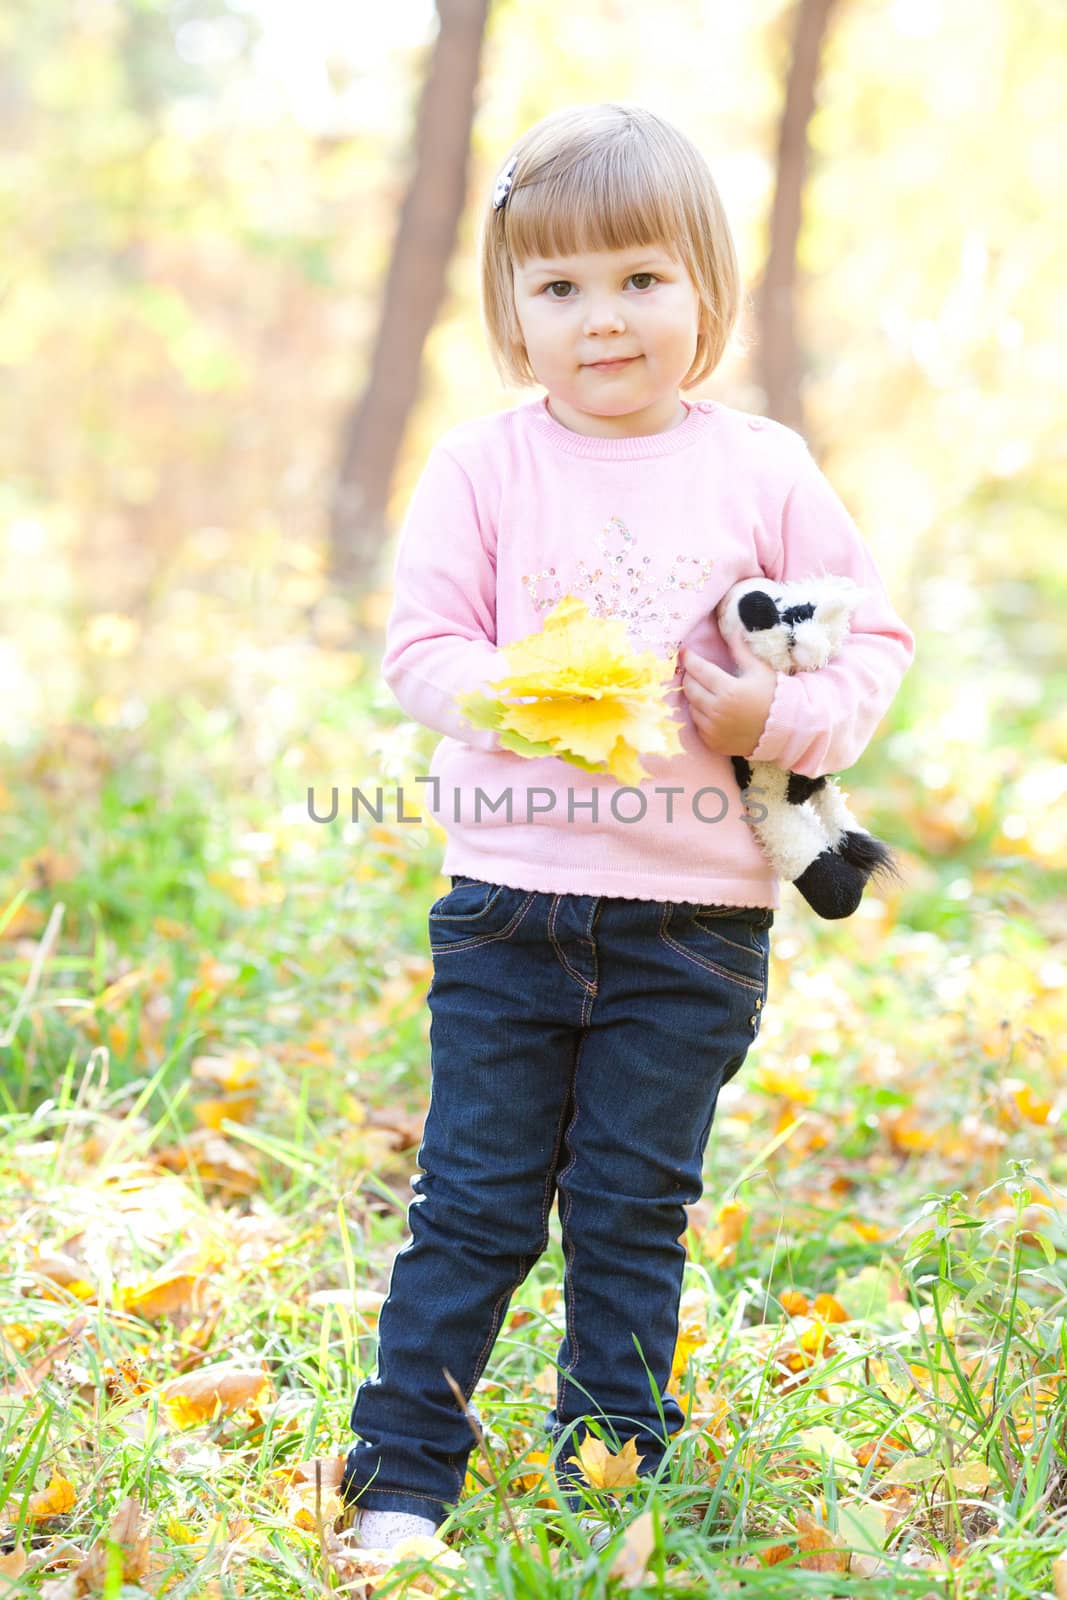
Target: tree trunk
[(780, 359), (373, 429)]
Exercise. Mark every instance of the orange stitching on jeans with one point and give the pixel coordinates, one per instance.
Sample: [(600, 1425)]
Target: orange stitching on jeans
[(546, 1201), (705, 927), (416, 1494), (702, 961), (494, 1327), (568, 1276), (474, 942), (587, 1002), (589, 986), (526, 1262)]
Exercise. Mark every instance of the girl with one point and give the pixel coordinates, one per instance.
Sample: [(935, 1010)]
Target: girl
[(600, 962)]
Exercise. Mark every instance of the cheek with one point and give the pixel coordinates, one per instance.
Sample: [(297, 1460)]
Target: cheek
[(672, 321), (552, 334), (537, 324)]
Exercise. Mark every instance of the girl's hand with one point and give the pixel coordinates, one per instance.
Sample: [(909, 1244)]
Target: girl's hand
[(728, 712)]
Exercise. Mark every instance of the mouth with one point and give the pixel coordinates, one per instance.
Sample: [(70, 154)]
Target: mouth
[(610, 366)]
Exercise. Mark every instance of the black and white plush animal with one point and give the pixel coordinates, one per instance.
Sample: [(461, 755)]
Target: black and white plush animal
[(808, 833)]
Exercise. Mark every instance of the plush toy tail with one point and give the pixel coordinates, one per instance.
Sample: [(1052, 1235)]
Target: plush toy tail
[(874, 858)]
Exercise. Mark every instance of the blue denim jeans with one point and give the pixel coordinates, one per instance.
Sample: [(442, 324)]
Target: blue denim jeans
[(578, 1044)]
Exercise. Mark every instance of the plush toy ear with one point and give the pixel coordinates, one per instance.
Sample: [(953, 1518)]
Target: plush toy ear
[(836, 610), (731, 617), (831, 590), (747, 616), (757, 611)]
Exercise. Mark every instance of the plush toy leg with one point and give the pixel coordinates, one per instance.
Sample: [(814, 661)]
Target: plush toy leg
[(854, 844), (832, 886), (795, 841)]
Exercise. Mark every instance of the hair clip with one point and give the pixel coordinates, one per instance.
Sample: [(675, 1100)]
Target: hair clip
[(503, 184)]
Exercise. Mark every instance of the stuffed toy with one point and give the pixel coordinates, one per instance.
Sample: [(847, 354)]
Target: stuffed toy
[(808, 833)]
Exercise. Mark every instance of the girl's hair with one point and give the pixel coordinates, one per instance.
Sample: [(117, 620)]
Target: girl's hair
[(608, 177)]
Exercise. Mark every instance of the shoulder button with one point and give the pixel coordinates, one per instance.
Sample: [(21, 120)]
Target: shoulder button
[(704, 405), (755, 422)]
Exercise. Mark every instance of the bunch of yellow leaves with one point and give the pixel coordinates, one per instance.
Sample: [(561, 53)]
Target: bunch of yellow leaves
[(578, 691)]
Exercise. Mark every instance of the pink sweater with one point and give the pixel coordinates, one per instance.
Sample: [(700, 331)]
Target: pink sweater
[(512, 511)]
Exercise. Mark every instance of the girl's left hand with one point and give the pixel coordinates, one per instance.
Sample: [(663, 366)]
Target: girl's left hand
[(728, 712)]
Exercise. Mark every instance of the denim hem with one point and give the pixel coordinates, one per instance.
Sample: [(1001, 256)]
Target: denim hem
[(419, 1505)]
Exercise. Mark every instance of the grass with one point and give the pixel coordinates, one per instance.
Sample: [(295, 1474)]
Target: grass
[(214, 1071), (929, 1423)]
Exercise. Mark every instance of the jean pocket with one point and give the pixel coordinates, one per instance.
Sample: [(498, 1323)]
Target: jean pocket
[(474, 912), (730, 941), (752, 916), (468, 900)]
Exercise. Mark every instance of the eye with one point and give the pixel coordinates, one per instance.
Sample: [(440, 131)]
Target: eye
[(565, 282)]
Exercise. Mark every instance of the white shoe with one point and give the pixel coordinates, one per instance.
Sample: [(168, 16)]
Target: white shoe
[(598, 1533), (381, 1530)]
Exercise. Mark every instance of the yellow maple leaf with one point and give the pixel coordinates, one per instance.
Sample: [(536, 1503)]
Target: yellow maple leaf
[(683, 1349), (54, 1501), (722, 1240), (577, 653), (1033, 1107), (577, 690), (591, 727), (829, 1308), (820, 1549), (223, 1388), (605, 1470)]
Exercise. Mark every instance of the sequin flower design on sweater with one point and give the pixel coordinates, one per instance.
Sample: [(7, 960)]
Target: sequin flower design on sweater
[(621, 584)]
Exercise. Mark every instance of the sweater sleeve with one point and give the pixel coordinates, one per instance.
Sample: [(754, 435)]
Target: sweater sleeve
[(441, 633), (821, 722)]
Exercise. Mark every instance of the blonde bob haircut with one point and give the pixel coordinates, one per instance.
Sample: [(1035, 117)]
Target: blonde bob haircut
[(608, 177)]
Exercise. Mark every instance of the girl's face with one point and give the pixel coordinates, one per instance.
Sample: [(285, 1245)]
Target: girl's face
[(575, 311)]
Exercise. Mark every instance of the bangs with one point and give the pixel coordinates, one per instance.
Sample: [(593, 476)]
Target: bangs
[(610, 200)]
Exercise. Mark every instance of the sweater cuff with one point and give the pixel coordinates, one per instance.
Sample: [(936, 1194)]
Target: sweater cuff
[(781, 723)]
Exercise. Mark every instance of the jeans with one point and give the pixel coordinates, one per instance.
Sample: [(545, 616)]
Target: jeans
[(578, 1044)]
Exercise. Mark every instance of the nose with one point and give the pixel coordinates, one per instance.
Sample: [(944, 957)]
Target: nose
[(604, 316)]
